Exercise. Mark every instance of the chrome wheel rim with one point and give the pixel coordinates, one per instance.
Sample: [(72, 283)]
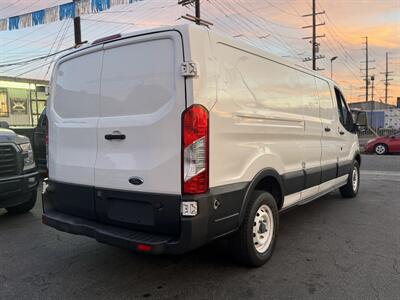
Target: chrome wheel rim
[(380, 149), (354, 178), (263, 228)]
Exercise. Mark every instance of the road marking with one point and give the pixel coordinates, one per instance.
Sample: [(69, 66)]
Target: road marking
[(380, 173)]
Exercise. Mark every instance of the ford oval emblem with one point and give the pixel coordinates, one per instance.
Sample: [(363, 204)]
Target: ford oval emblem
[(136, 180)]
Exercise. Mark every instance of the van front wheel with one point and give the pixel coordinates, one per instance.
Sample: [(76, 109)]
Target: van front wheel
[(254, 242), (350, 190)]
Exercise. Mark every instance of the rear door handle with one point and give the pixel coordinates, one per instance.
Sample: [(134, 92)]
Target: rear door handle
[(111, 137), (327, 129), (341, 132)]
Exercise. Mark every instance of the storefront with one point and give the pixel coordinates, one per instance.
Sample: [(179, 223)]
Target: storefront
[(22, 100)]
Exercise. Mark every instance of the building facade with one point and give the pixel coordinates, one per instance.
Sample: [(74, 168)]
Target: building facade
[(380, 115), (392, 118), (22, 100)]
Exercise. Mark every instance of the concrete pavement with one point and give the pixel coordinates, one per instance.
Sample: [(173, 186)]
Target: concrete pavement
[(331, 248)]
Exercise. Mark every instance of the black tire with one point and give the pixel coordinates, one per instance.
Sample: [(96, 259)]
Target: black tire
[(23, 207), (242, 243), (381, 146), (348, 190)]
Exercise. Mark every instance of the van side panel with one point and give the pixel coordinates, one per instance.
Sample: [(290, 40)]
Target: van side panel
[(311, 149), (199, 48), (330, 134), (257, 121)]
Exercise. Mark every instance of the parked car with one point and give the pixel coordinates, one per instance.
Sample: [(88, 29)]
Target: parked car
[(384, 144), (171, 138), (37, 136), (18, 176)]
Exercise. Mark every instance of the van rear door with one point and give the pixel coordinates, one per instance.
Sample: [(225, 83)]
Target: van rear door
[(138, 164), (73, 114), (142, 99)]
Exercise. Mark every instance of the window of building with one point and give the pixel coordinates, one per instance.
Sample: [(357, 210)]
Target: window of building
[(4, 111)]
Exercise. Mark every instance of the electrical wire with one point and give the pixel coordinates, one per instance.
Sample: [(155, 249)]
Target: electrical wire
[(9, 5), (273, 33), (35, 59)]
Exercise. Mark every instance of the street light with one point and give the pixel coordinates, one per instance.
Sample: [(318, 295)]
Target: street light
[(332, 59)]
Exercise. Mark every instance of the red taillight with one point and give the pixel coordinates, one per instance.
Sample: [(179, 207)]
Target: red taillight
[(46, 126), (47, 131), (144, 248), (195, 141)]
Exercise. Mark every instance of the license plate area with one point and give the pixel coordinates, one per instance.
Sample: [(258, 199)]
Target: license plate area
[(156, 213), (132, 212)]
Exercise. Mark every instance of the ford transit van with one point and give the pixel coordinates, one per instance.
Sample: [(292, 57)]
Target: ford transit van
[(164, 140)]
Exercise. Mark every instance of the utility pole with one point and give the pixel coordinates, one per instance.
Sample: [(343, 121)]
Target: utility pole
[(314, 37), (372, 98), (387, 79), (372, 87), (197, 17), (77, 31), (77, 28), (367, 68)]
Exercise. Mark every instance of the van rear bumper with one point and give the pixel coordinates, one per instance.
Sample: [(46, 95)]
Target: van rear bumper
[(194, 232)]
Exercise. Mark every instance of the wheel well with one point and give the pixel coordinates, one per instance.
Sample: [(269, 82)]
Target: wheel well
[(384, 144), (358, 159), (271, 185)]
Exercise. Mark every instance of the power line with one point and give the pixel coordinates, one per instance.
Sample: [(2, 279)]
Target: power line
[(35, 59), (281, 9), (25, 8), (9, 5), (58, 47), (265, 29), (142, 14)]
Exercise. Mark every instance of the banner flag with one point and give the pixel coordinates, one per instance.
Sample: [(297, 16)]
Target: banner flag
[(37, 17), (59, 13), (3, 24), (51, 14), (67, 10), (82, 7), (25, 21), (100, 5), (13, 23), (118, 2)]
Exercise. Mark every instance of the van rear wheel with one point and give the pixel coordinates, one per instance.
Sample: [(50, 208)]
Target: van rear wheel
[(350, 190), (254, 242)]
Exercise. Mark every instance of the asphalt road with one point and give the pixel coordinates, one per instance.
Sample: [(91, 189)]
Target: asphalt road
[(332, 248)]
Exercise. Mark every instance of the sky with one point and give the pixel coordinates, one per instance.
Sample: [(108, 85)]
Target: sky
[(274, 25)]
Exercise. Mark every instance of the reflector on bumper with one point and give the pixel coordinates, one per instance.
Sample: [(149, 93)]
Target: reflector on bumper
[(189, 209)]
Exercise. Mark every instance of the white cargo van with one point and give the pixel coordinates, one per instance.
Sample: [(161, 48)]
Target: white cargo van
[(163, 140)]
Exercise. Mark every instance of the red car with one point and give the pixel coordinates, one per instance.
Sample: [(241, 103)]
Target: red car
[(384, 144)]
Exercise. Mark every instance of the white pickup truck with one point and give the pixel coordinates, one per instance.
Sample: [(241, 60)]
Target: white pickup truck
[(18, 176)]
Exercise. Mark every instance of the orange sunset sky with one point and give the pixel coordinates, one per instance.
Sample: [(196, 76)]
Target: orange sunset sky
[(275, 25)]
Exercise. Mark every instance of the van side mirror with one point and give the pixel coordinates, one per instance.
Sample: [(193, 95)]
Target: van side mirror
[(4, 124), (361, 119)]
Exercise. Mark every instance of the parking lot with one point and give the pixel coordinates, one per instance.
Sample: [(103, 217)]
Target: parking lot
[(330, 248)]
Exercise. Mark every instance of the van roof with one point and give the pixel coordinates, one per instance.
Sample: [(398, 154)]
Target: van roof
[(189, 27)]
